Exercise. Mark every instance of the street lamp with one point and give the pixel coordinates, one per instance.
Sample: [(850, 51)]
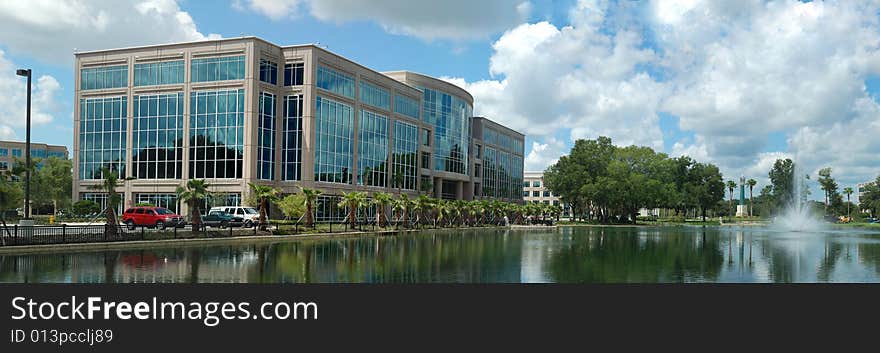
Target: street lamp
[(27, 146)]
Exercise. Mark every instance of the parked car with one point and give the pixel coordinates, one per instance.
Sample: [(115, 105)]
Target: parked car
[(221, 219), (249, 214), (158, 217)]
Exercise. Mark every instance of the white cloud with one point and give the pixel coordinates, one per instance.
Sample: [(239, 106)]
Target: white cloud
[(449, 19), (13, 99), (50, 30), (543, 155)]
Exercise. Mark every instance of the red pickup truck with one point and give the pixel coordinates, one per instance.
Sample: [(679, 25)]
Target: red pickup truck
[(158, 217)]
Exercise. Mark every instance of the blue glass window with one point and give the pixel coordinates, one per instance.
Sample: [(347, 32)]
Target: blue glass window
[(217, 69), (102, 136), (292, 138), (451, 118), (168, 201), (406, 106), (405, 157), (57, 154), (266, 137), (159, 73), (4, 152), (268, 72), (336, 82), (372, 149), (216, 134), (104, 77), (293, 74), (334, 135), (375, 96), (157, 136), (16, 152)]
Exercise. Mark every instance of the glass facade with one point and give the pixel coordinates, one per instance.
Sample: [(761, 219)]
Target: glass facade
[(334, 136), (168, 201), (406, 106), (4, 152), (268, 72), (405, 156), (490, 172), (16, 152), (504, 141), (293, 74), (266, 137), (102, 136), (101, 199), (57, 154), (451, 118), (157, 136), (375, 96), (502, 174), (217, 69), (327, 209), (104, 77), (159, 73), (335, 81), (216, 134), (372, 149), (292, 138)]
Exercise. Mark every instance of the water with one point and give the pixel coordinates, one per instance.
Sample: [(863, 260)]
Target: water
[(797, 216), (567, 254)]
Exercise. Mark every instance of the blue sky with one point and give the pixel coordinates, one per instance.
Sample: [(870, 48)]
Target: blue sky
[(738, 84)]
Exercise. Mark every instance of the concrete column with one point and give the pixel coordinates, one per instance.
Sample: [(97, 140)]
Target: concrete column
[(438, 188), (459, 190)]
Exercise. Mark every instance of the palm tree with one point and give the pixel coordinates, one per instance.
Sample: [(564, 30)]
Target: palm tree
[(310, 195), (848, 191), (109, 185), (354, 201), (402, 206), (192, 194), (751, 183), (381, 200), (422, 205), (264, 193), (730, 186)]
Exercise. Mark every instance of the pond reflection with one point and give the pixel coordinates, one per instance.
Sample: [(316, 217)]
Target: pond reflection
[(567, 254)]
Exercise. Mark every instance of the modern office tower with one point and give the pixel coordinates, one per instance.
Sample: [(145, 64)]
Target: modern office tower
[(240, 110), (497, 160)]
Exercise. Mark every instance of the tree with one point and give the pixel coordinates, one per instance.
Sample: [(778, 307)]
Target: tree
[(381, 200), (264, 194), (827, 184), (83, 208), (52, 183), (782, 179), (871, 199), (848, 191), (193, 193), (403, 204), (311, 195), (730, 186), (109, 184), (293, 206), (354, 201), (751, 183)]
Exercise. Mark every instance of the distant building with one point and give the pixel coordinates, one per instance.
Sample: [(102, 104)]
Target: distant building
[(535, 191), (861, 189), (12, 150)]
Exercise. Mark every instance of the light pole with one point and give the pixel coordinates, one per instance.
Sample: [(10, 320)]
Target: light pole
[(27, 146)]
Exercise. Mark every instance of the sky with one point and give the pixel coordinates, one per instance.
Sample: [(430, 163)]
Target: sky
[(734, 83)]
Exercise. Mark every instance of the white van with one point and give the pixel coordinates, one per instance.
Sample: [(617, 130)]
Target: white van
[(250, 215)]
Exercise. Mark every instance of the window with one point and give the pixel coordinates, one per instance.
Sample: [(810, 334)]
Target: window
[(334, 135), (536, 184), (216, 134), (555, 202), (525, 194), (372, 149), (406, 106), (268, 72), (490, 173), (4, 152), (266, 137), (426, 160), (158, 73), (102, 136), (104, 77), (157, 136), (217, 69), (41, 153), (16, 152), (525, 184), (546, 193), (101, 200), (58, 154), (336, 82), (168, 201), (293, 74), (477, 170), (375, 96), (4, 165), (291, 138), (450, 117), (405, 162), (536, 194), (426, 137), (478, 151)]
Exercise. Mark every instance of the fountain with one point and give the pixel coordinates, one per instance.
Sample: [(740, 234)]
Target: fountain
[(797, 216)]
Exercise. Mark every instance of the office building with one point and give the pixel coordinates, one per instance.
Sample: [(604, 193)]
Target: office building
[(240, 110), (12, 150)]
